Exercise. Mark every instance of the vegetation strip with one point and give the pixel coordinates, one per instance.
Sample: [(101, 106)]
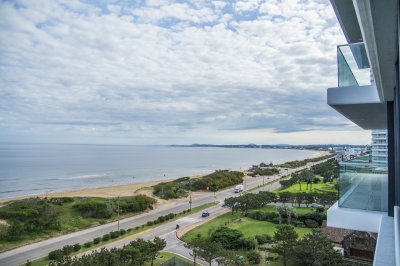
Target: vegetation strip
[(99, 242), (181, 187)]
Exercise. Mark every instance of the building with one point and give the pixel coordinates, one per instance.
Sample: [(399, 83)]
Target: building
[(368, 94), (379, 146)]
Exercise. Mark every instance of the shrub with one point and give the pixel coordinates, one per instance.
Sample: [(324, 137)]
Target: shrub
[(161, 219), (228, 238), (88, 244), (114, 234), (96, 240), (316, 216), (67, 249), (106, 237), (129, 229), (254, 257), (262, 239), (77, 247), (248, 243), (94, 208), (156, 222), (298, 223), (61, 201), (122, 232), (149, 223), (311, 223), (56, 254)]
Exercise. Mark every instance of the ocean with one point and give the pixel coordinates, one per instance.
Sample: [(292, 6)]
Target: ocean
[(31, 169)]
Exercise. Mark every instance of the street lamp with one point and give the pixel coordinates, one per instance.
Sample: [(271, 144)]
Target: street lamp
[(190, 194), (118, 212)]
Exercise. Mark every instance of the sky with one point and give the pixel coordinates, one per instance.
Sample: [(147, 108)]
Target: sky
[(170, 72)]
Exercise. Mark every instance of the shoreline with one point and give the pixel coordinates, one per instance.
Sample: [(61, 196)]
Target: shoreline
[(118, 190)]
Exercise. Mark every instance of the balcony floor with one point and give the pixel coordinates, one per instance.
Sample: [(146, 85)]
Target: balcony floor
[(369, 194)]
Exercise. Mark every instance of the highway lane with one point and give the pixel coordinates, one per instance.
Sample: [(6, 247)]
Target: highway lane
[(40, 249)]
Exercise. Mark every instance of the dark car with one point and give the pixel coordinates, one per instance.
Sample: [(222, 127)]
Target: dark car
[(205, 214)]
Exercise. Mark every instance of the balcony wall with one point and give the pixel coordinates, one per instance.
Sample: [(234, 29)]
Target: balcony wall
[(353, 65)]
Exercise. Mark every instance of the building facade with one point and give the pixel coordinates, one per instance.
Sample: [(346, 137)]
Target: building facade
[(368, 94), (379, 146)]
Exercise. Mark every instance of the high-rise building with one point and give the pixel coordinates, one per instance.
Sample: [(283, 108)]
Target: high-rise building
[(379, 146), (368, 94)]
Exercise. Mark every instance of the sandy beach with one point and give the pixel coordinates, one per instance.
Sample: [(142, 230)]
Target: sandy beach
[(115, 191)]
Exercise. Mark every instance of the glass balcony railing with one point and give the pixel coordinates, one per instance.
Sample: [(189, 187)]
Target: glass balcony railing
[(363, 184), (353, 65)]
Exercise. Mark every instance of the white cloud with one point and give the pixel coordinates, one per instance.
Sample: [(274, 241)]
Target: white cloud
[(247, 5), (166, 70)]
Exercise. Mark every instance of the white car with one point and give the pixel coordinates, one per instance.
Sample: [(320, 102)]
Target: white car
[(316, 205)]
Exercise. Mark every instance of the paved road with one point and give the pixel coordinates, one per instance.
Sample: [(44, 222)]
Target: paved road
[(40, 249)]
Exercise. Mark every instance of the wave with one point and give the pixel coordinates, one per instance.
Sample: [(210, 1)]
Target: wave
[(87, 176)]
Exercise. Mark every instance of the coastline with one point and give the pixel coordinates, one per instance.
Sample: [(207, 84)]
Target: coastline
[(118, 190)]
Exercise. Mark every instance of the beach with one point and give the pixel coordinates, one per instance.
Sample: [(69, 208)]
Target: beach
[(118, 190)]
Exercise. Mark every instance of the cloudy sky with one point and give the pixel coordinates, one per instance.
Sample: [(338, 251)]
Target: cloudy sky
[(170, 72)]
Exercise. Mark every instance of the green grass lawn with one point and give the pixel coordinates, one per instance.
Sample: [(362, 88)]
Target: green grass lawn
[(319, 187), (248, 226), (302, 210), (251, 228)]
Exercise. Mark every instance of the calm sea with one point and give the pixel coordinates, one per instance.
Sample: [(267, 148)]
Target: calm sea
[(30, 169)]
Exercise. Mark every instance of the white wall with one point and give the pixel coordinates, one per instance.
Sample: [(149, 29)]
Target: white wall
[(354, 219)]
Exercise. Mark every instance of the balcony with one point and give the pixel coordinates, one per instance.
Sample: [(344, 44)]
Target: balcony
[(353, 65), (362, 195), (363, 184), (356, 96)]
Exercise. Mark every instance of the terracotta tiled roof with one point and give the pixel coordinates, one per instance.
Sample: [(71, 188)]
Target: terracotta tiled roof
[(335, 234)]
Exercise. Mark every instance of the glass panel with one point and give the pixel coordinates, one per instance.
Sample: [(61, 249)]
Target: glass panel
[(363, 184), (353, 65)]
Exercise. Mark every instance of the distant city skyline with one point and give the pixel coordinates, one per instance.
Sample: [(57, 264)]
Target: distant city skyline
[(165, 72)]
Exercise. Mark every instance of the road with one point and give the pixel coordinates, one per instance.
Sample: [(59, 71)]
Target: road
[(40, 249)]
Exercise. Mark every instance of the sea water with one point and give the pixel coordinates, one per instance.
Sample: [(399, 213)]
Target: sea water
[(29, 169)]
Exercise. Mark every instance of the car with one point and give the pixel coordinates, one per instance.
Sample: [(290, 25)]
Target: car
[(316, 205), (205, 214), (238, 189)]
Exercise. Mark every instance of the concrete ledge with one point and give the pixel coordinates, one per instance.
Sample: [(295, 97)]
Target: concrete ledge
[(385, 249), (361, 220)]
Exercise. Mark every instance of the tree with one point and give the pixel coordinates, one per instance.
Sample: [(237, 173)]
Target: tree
[(284, 197), (208, 250), (306, 175), (194, 247), (298, 178), (308, 198), (285, 238), (285, 212), (299, 198), (316, 249), (266, 197), (156, 246), (232, 203)]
